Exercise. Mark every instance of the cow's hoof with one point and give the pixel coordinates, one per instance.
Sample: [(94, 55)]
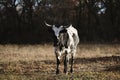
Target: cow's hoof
[(66, 72), (71, 70), (57, 72)]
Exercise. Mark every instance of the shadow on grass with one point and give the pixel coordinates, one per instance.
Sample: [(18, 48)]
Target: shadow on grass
[(88, 60), (97, 59), (113, 68), (104, 60), (49, 61)]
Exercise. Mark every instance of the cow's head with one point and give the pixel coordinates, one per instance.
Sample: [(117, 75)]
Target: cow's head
[(56, 29)]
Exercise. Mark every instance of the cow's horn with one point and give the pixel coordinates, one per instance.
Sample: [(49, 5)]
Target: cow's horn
[(47, 24)]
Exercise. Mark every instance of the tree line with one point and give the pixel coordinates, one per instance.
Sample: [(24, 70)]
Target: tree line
[(22, 21)]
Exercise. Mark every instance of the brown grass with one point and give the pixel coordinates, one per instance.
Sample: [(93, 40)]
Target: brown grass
[(25, 52), (37, 62)]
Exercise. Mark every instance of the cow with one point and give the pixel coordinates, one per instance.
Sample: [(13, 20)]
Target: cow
[(66, 40)]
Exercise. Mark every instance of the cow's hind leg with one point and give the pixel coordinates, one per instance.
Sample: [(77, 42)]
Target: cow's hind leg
[(72, 62)]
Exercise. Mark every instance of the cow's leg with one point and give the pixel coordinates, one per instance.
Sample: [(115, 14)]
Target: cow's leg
[(72, 62), (72, 59), (66, 62), (57, 60), (58, 63)]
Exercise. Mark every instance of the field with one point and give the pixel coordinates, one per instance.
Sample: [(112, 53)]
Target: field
[(37, 62)]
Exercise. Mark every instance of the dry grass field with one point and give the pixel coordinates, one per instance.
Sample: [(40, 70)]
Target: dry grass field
[(37, 62)]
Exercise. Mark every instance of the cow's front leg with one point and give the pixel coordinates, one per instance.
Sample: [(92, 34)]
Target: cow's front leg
[(58, 63), (66, 62)]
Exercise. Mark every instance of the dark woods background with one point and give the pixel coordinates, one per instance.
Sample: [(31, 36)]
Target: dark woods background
[(22, 21)]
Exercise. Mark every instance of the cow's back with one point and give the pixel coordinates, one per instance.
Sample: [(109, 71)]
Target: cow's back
[(73, 34)]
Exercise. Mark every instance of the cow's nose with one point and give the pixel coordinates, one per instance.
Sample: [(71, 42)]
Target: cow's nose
[(57, 37)]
